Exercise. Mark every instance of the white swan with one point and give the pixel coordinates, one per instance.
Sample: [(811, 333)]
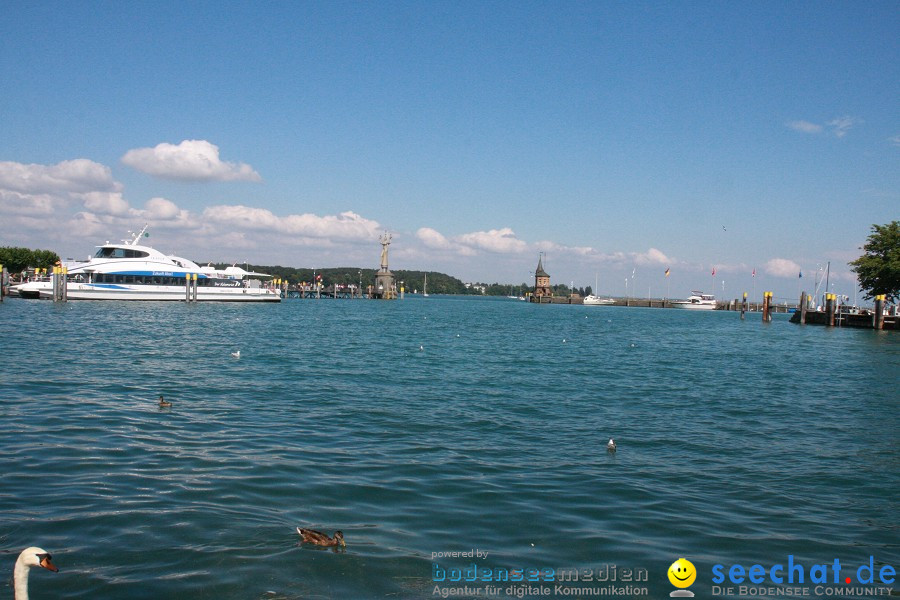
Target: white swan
[(30, 557)]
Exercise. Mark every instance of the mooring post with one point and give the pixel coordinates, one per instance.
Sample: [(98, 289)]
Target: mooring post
[(829, 309), (194, 285), (187, 287), (803, 304), (65, 284), (3, 280), (744, 305), (767, 301), (878, 317)]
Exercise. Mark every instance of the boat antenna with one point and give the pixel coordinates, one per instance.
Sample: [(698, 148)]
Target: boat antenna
[(135, 237)]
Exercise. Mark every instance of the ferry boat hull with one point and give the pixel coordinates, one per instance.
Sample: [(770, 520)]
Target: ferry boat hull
[(88, 291)]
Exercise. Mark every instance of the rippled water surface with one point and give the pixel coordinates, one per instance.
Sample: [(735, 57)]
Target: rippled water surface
[(432, 425)]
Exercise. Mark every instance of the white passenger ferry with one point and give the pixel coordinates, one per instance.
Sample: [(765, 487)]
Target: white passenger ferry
[(129, 271)]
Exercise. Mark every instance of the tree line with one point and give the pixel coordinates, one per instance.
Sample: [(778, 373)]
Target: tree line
[(16, 260)]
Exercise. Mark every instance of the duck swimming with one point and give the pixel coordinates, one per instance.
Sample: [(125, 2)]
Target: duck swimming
[(311, 536), (163, 403), (30, 557)]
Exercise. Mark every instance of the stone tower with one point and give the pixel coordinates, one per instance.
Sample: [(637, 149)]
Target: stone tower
[(541, 282)]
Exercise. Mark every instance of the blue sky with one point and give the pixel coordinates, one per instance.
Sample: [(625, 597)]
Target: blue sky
[(619, 138)]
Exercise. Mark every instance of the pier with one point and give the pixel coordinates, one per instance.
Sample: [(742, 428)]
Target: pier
[(836, 315)]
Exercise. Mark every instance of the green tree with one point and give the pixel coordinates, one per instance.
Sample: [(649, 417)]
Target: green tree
[(19, 259), (878, 270)]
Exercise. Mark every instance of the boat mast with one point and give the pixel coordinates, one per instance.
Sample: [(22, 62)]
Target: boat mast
[(135, 237)]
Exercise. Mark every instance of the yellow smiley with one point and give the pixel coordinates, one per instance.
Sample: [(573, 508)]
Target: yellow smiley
[(682, 573)]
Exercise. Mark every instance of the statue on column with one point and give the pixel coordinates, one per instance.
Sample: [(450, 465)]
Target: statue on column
[(385, 242)]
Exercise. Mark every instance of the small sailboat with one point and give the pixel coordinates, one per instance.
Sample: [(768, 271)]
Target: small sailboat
[(425, 287)]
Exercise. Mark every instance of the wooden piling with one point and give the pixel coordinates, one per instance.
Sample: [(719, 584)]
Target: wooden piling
[(194, 285), (187, 287), (829, 309), (803, 306), (65, 284), (3, 280), (878, 317), (767, 302)]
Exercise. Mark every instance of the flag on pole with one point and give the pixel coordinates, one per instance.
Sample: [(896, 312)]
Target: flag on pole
[(667, 272), (800, 276), (754, 272), (714, 272)]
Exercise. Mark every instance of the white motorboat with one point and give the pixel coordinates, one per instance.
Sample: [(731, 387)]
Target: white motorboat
[(592, 300), (130, 271), (696, 301)]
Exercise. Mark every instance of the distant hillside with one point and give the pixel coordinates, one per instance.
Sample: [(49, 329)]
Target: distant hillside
[(438, 283)]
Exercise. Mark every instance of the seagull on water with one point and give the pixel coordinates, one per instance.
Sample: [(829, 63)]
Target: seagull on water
[(611, 445), (236, 354)]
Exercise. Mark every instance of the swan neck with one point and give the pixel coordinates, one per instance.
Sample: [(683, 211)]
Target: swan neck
[(20, 580)]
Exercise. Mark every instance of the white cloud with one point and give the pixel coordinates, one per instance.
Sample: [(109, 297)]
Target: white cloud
[(498, 241), (433, 239), (553, 247), (162, 209), (652, 257), (841, 125), (69, 176), (838, 126), (106, 203), (782, 267), (501, 241), (30, 189), (346, 226), (895, 140), (29, 204), (805, 126), (191, 160)]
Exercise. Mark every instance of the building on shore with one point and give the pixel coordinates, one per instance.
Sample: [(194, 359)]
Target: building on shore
[(541, 283)]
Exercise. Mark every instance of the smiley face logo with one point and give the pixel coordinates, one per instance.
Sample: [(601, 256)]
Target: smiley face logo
[(682, 573)]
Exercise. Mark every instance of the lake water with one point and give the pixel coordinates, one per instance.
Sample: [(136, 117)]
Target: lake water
[(434, 425)]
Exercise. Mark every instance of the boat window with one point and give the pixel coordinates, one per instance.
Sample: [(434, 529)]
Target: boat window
[(107, 252)]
